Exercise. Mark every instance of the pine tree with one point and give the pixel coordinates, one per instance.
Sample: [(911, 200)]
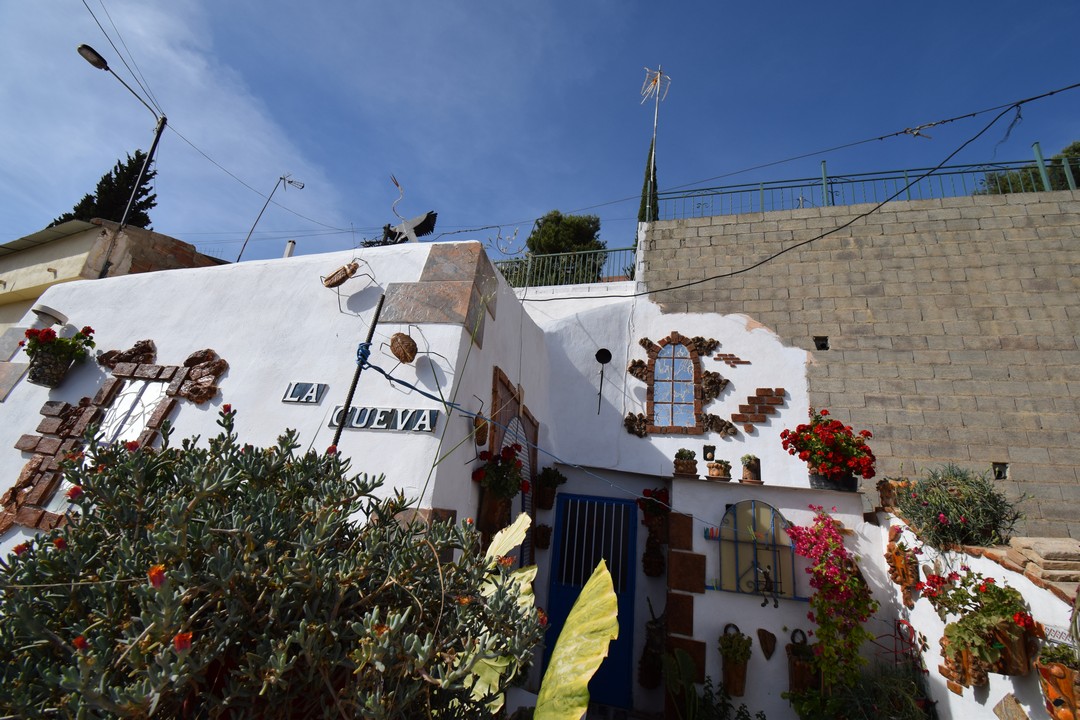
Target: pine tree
[(649, 210), (113, 192)]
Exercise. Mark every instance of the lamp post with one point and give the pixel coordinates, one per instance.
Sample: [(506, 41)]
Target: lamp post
[(94, 58)]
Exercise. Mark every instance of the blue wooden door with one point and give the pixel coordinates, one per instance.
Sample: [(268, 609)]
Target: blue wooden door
[(586, 530)]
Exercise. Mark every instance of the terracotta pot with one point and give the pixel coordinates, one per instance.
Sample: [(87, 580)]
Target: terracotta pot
[(802, 675), (734, 675), (962, 670), (544, 496), (751, 474), (686, 467), (49, 370), (1016, 650), (1060, 688), (718, 473), (542, 537)]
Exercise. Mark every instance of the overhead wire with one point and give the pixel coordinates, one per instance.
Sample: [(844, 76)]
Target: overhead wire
[(140, 79), (803, 243)]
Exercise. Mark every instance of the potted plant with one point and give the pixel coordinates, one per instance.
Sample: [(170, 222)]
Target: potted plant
[(841, 602), (655, 506), (833, 452), (685, 462), (735, 652), (992, 626), (951, 506), (501, 478), (547, 482), (803, 675), (51, 355), (542, 536), (751, 470), (720, 470), (1058, 666)]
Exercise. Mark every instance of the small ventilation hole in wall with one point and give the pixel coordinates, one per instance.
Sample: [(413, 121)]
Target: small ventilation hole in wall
[(1001, 470), (821, 342)]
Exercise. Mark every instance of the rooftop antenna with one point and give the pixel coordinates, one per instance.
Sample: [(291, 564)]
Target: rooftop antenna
[(284, 180), (656, 86)]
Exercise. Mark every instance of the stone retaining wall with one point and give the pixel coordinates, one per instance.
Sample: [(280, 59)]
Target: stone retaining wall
[(950, 324)]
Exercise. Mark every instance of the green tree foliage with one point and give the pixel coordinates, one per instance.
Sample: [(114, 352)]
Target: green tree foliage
[(649, 209), (234, 581), (556, 234), (113, 192), (1028, 179)]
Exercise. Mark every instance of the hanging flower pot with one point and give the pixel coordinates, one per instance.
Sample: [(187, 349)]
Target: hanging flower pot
[(735, 653), (1018, 645), (49, 370), (547, 483), (51, 355), (542, 537), (802, 673), (652, 561)]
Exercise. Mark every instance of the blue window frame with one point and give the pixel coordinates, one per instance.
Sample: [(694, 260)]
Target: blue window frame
[(756, 555)]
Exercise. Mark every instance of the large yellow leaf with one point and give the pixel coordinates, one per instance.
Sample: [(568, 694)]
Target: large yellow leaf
[(582, 645)]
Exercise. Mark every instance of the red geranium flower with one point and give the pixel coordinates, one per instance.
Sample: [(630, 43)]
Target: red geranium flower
[(87, 330), (182, 641), (478, 475), (525, 486)]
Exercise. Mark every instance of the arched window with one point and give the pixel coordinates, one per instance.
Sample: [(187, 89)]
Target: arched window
[(674, 394), (756, 554)]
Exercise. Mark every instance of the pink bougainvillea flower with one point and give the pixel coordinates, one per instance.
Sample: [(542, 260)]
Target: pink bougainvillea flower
[(156, 575), (182, 641), (74, 492), (60, 543), (131, 446), (80, 643), (21, 548)]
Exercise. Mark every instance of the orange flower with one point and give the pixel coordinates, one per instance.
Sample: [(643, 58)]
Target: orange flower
[(131, 446), (60, 543), (182, 641), (80, 643), (74, 492), (157, 575), (21, 548)]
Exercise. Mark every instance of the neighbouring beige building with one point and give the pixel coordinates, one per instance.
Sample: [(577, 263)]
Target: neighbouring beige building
[(75, 250)]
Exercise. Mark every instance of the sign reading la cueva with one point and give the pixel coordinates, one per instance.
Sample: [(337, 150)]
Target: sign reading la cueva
[(375, 418)]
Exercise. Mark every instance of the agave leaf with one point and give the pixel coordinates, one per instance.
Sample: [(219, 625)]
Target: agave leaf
[(582, 645), (508, 538)]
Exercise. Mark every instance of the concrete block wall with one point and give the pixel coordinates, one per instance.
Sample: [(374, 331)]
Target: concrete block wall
[(951, 324)]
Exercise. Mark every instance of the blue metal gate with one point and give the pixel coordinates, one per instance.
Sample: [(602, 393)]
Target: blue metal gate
[(586, 530)]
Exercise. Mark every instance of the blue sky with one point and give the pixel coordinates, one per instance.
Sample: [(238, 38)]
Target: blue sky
[(493, 113)]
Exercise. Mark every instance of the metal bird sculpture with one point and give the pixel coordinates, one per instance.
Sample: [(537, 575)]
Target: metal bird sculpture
[(410, 230)]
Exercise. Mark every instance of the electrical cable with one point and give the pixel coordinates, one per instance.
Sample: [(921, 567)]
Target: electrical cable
[(139, 78), (803, 243)]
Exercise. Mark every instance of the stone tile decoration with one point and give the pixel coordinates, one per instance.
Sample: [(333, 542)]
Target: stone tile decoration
[(60, 432), (764, 402), (457, 286)]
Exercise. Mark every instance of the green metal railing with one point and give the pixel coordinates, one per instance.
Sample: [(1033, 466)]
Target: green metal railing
[(594, 266), (948, 181)]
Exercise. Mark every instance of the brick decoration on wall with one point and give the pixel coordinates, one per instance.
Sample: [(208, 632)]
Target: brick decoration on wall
[(758, 407), (730, 359), (61, 430)]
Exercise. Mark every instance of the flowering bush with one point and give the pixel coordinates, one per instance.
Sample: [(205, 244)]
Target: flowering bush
[(830, 448), (501, 474), (980, 605), (952, 505), (217, 579), (47, 342), (841, 602)]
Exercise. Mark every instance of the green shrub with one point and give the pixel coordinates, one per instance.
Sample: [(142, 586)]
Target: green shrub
[(234, 581), (955, 506)]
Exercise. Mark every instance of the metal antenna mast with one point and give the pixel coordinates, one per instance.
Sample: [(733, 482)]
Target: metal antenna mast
[(656, 86)]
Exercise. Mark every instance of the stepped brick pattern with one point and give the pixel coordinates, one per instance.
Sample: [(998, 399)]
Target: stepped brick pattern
[(951, 324)]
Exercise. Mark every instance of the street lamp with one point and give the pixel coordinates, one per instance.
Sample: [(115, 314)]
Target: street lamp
[(94, 58)]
